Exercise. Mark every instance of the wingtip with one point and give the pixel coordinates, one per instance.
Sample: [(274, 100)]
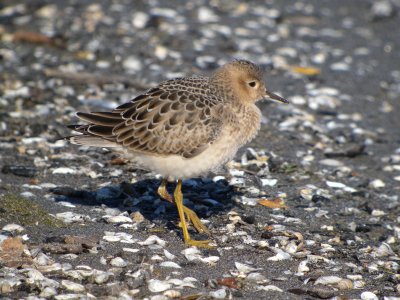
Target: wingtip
[(79, 114)]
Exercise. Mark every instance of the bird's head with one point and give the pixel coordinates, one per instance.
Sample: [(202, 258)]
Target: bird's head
[(243, 80)]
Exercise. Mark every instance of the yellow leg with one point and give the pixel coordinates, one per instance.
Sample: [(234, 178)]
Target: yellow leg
[(190, 214), (163, 193), (179, 204)]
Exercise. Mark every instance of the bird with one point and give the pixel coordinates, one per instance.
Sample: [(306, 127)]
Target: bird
[(183, 128)]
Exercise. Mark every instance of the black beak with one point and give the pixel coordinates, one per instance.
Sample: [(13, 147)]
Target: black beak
[(275, 97)]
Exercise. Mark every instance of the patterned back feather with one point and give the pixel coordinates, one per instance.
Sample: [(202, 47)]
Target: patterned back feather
[(179, 117)]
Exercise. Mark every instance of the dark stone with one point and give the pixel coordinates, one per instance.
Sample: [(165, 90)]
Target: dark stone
[(23, 171), (351, 151), (69, 192), (319, 198), (249, 219), (363, 228), (267, 235), (321, 292)]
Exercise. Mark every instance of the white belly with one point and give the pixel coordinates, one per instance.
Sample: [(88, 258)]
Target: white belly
[(178, 167)]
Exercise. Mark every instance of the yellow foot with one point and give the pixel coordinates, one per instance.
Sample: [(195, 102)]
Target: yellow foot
[(194, 219), (201, 244), (190, 214)]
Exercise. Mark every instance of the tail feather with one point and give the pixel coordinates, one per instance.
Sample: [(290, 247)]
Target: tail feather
[(90, 140), (102, 131), (101, 118), (99, 131)]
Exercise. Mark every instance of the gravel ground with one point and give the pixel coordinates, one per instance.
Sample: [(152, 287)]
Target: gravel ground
[(309, 210)]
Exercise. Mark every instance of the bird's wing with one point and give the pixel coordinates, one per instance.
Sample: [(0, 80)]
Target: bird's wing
[(178, 117)]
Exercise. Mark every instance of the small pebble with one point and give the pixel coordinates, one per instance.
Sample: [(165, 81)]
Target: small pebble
[(118, 262), (381, 9), (376, 184), (157, 286), (64, 170), (72, 286), (368, 296), (170, 264), (218, 294), (13, 227)]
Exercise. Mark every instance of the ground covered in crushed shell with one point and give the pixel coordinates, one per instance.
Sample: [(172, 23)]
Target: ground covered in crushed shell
[(310, 209)]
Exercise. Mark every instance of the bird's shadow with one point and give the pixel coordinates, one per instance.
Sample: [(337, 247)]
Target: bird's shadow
[(204, 196)]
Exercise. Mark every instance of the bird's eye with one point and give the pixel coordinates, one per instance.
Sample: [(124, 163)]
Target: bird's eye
[(252, 84)]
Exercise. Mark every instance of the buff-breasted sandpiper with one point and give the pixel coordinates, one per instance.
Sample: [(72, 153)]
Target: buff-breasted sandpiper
[(183, 128)]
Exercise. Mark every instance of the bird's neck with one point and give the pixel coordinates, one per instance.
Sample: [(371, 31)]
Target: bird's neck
[(223, 88)]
